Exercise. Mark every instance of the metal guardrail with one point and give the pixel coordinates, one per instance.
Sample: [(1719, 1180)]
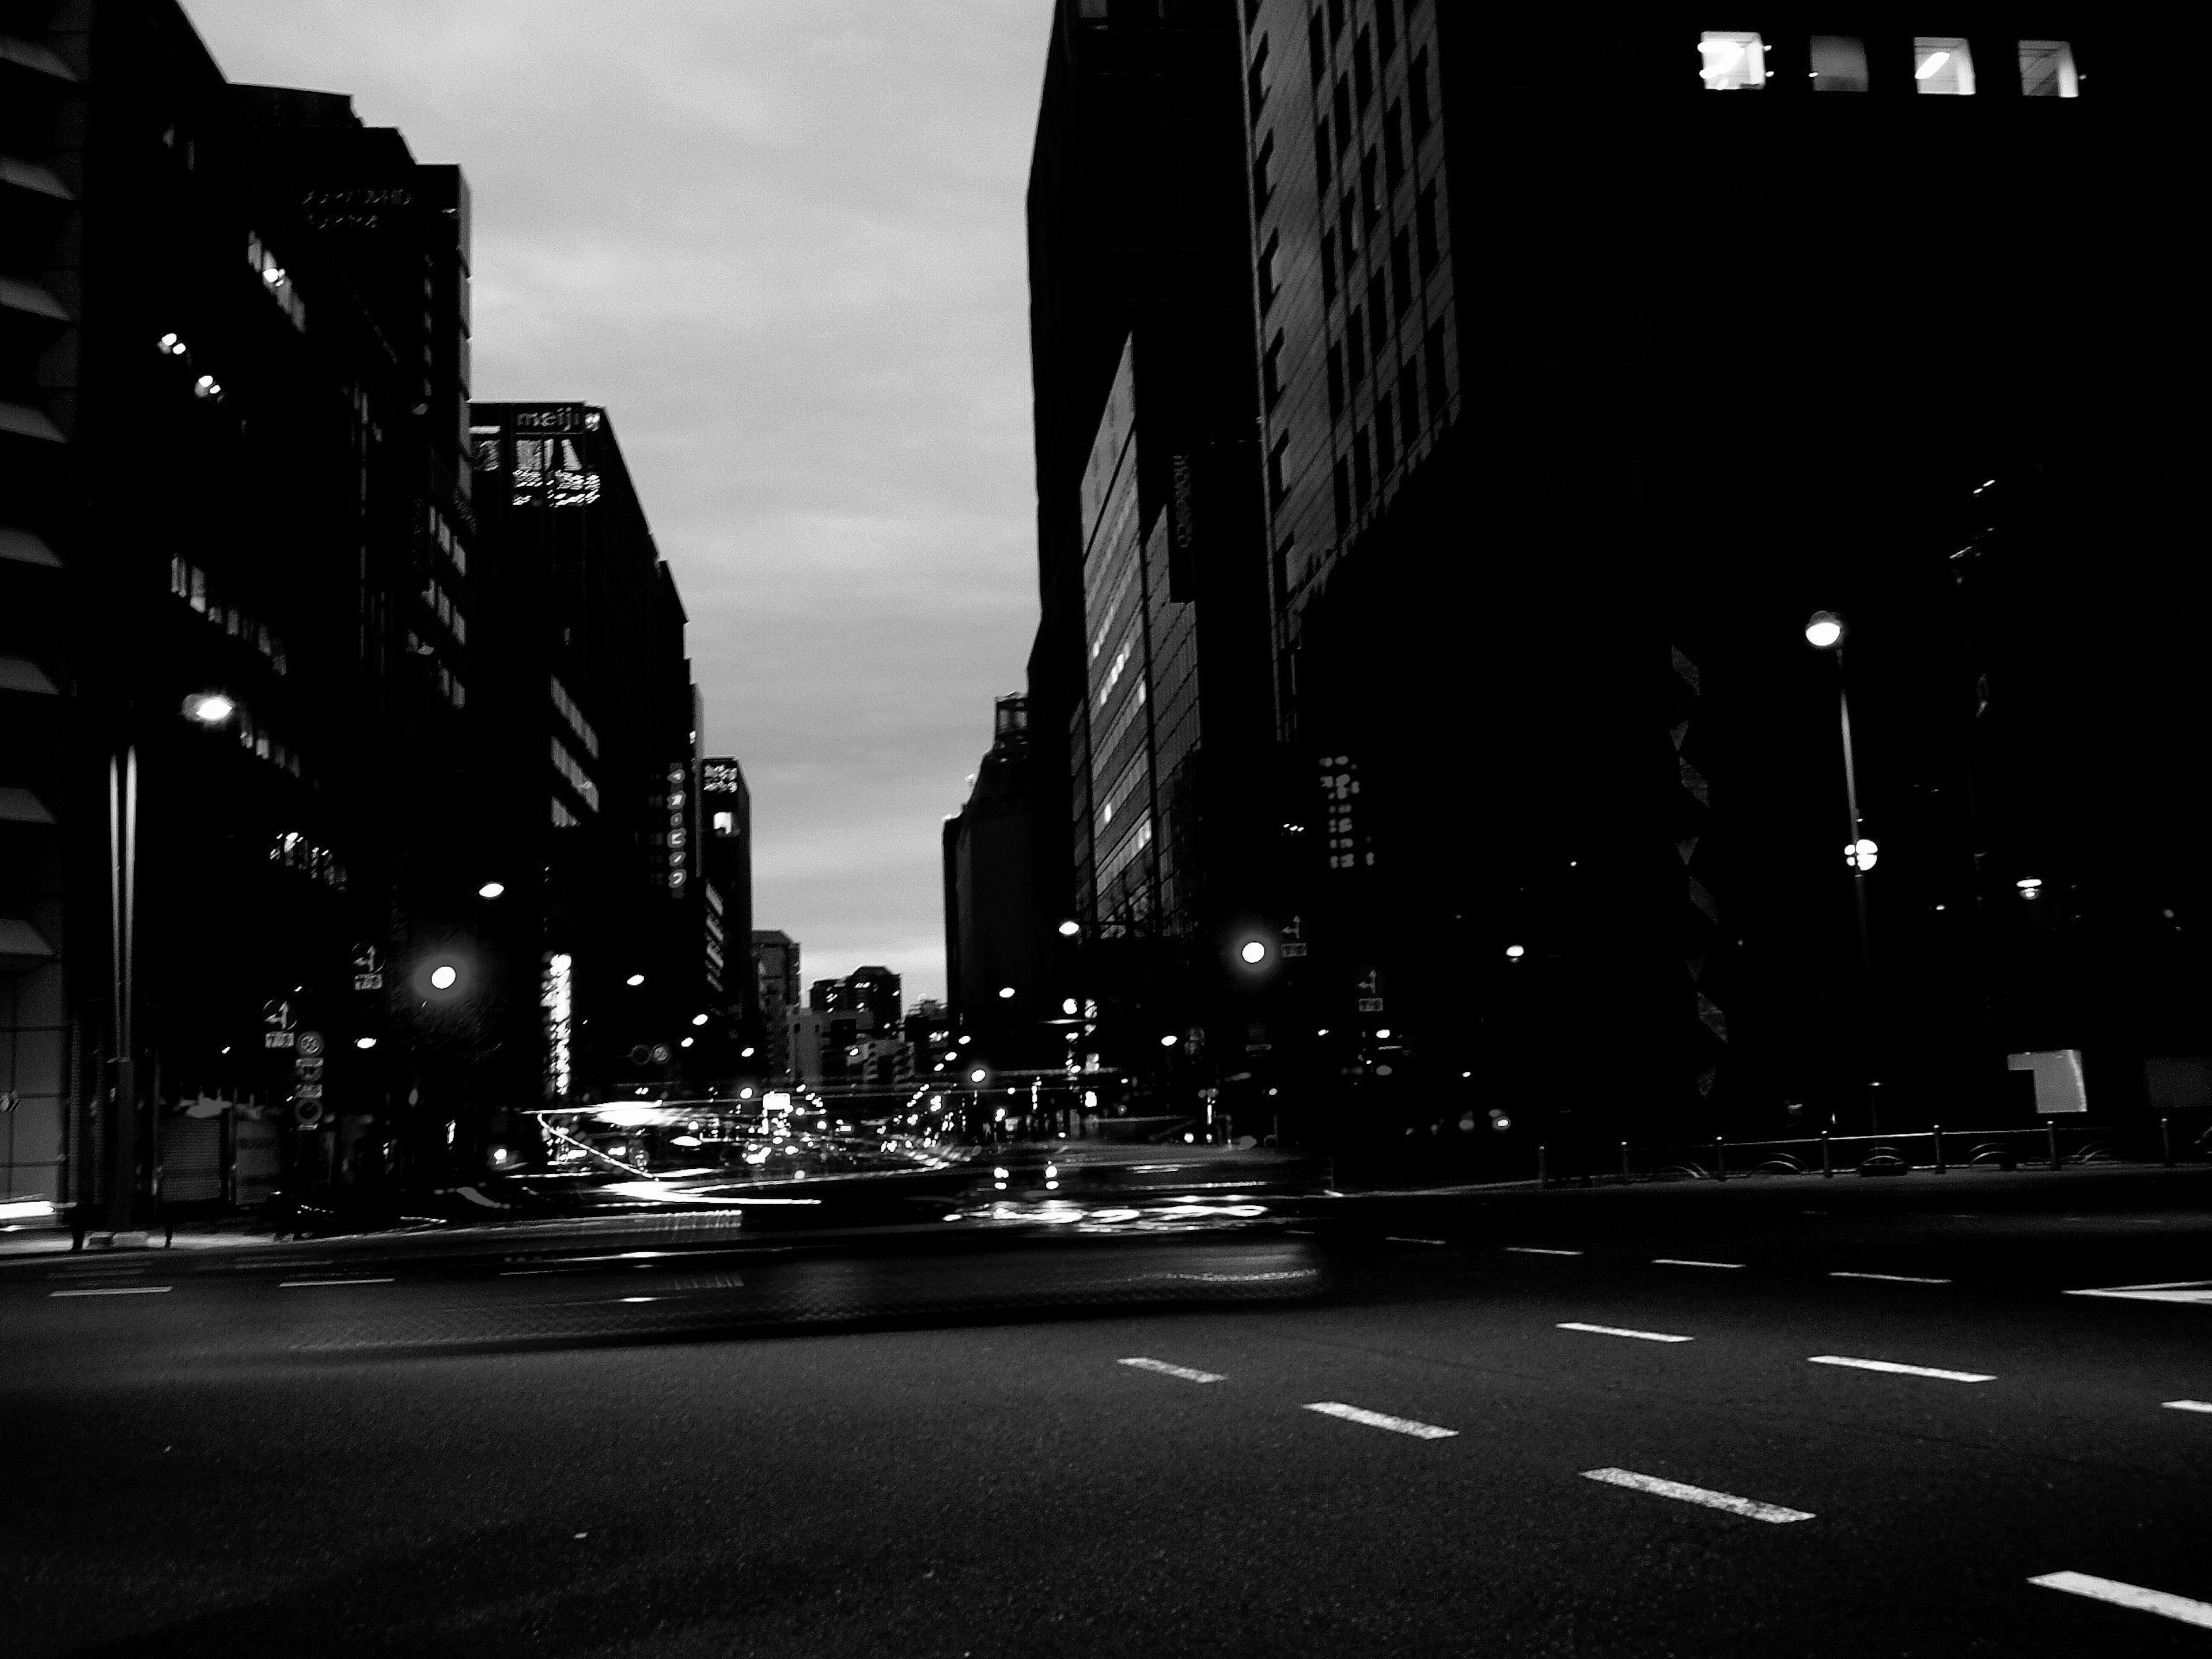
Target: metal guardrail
[(1827, 1153)]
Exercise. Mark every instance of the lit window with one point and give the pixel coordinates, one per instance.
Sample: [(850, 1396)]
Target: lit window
[(1734, 62), (1839, 63), (1941, 64), (2046, 69)]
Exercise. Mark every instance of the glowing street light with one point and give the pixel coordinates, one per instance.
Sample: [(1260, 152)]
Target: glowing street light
[(635, 981), (443, 976), (491, 890), (1070, 929), (1515, 952), (1006, 992), (209, 708), (979, 1075), (1824, 630), (698, 1019), (1170, 1040), (1253, 952), (358, 1043)]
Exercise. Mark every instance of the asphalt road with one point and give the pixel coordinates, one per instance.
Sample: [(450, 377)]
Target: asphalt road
[(922, 1449)]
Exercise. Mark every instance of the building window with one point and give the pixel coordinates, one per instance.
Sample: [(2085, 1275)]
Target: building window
[(1367, 187), (1262, 189), (1322, 152), (1335, 18), (1409, 397), (1386, 30), (1268, 289), (1394, 143), (1425, 224), (1335, 380), (1378, 309), (1276, 490), (1362, 68), (1733, 61), (1256, 81), (1328, 265), (1355, 346), (2046, 69), (1417, 94), (1839, 63), (1385, 450), (1271, 369), (1941, 64), (1316, 51), (1341, 103), (1342, 480), (1401, 274), (1363, 470), (1347, 211)]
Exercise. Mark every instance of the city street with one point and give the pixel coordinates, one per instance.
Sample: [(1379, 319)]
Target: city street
[(1782, 1431)]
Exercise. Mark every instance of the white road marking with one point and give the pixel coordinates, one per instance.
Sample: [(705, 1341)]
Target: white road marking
[(1677, 1261), (2187, 1405), (1377, 1420), (1538, 1250), (120, 1290), (316, 1283), (1166, 1370), (2197, 1290), (1393, 1238), (1892, 1278), (2130, 1595), (1901, 1370), (1748, 1508), (1615, 1330)]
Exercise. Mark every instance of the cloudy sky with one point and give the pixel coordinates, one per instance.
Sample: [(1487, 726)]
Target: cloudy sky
[(782, 243)]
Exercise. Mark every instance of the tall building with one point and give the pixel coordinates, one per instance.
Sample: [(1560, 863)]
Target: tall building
[(1582, 389), (592, 791), (1135, 227), (218, 470), (777, 973), (725, 853), (996, 938)]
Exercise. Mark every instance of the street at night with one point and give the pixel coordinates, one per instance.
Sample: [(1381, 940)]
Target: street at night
[(1322, 1436)]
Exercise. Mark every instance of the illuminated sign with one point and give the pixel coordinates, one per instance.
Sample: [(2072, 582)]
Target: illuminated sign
[(679, 820), (557, 997)]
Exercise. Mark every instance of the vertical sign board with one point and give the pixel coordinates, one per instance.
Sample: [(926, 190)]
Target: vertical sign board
[(679, 825), (2058, 1079)]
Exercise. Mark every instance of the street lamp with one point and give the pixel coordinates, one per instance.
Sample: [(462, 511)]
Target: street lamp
[(1824, 631), (1253, 952), (1070, 929), (209, 707), (491, 890)]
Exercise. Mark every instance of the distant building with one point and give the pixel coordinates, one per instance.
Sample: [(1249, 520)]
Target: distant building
[(726, 861), (776, 973), (996, 938), (593, 785)]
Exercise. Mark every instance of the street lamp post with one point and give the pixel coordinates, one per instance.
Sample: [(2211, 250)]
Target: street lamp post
[(1824, 631)]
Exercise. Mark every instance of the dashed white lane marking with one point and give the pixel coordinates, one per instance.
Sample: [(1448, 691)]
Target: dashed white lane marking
[(317, 1284), (2187, 1405), (1892, 1278), (2198, 1290), (1393, 1238), (1538, 1250), (2130, 1595), (1616, 1330), (1680, 1262), (1377, 1420), (1751, 1509), (119, 1290), (1166, 1370), (1891, 1365)]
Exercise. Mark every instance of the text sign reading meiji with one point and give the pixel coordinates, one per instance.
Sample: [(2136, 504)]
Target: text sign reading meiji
[(575, 418)]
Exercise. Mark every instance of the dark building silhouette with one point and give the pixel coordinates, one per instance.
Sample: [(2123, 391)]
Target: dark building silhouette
[(1150, 515), (219, 482), (1584, 388), (775, 972), (995, 936), (593, 790), (726, 860)]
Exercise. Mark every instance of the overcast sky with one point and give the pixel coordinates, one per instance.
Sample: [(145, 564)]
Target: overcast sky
[(782, 243)]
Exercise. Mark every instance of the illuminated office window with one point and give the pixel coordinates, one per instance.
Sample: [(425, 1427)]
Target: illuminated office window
[(1838, 64), (1734, 62), (1941, 64), (2046, 69)]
